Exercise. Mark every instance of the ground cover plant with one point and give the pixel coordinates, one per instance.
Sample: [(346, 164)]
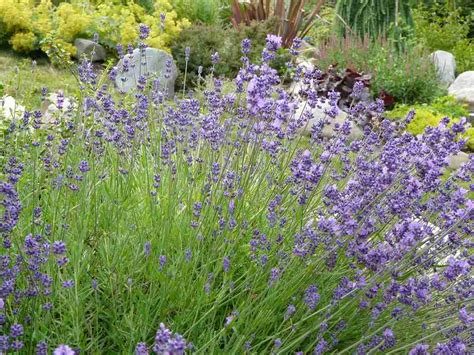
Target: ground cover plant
[(209, 224), (432, 114)]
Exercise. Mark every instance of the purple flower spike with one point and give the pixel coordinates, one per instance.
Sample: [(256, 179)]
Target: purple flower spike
[(226, 264), (147, 248), (420, 349), (215, 58), (11, 207), (162, 260), (273, 42), (167, 342), (63, 350), (144, 31), (59, 247), (246, 44), (16, 330), (311, 297), (141, 349), (42, 348), (187, 52)]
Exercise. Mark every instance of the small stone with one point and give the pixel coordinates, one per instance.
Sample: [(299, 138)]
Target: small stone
[(456, 160), (329, 130), (10, 108), (53, 111), (84, 47)]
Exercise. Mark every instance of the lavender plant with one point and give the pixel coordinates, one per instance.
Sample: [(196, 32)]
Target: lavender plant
[(215, 217)]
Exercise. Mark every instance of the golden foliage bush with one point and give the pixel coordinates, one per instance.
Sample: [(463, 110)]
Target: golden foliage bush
[(28, 22), (118, 24), (432, 114), (23, 41)]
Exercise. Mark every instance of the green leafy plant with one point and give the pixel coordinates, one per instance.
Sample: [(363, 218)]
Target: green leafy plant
[(209, 12), (204, 41), (406, 74), (442, 27), (372, 17), (25, 24), (431, 115), (323, 26)]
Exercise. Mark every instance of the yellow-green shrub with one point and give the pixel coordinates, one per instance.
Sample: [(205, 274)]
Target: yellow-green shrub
[(16, 15), (431, 115), (43, 17), (23, 41), (72, 20), (118, 24), (28, 22)]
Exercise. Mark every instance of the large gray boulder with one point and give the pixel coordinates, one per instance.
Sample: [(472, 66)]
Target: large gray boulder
[(86, 47), (150, 62), (445, 66), (463, 89), (318, 114)]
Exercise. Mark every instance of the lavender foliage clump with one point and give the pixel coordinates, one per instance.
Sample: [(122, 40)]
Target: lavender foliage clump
[(324, 243)]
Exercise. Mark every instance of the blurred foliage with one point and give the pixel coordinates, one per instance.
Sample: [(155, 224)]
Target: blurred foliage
[(324, 25), (443, 27), (26, 23), (209, 12), (372, 18), (205, 40), (464, 7), (431, 115), (405, 73)]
